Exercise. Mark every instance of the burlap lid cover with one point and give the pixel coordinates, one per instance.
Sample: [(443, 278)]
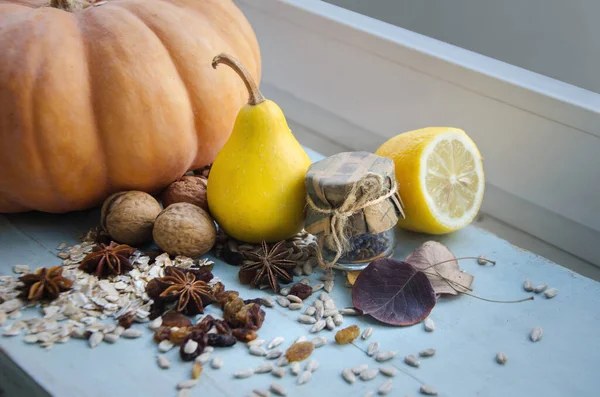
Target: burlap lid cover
[(329, 181)]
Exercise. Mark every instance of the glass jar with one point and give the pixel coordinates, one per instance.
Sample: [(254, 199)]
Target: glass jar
[(362, 249)]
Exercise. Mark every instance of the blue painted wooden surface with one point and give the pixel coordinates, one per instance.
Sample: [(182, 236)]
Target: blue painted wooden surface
[(468, 334)]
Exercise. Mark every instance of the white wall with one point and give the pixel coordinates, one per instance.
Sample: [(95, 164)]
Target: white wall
[(557, 38)]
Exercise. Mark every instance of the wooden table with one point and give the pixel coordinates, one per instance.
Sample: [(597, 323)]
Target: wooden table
[(468, 334)]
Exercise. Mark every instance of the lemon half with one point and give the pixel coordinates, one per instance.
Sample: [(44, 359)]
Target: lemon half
[(440, 178)]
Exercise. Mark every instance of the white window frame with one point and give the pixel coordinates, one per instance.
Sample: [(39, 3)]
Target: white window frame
[(359, 81)]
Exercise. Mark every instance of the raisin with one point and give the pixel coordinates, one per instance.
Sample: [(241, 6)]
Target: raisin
[(162, 333), (301, 290), (222, 327), (299, 351), (175, 319), (257, 301), (206, 323), (244, 334), (220, 340), (126, 320), (179, 335), (347, 335), (197, 336), (227, 296)]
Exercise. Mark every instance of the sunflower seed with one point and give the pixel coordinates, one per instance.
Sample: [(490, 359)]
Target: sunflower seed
[(324, 297), (528, 286), (297, 271), (304, 319), (295, 306), (330, 312), (154, 324), (319, 341), (319, 313), (328, 285), (282, 361), (294, 298), (368, 374), (301, 338), (190, 346), (33, 338), (196, 370), (245, 373), (276, 341), (367, 333), (295, 368), (428, 390), (317, 287), (312, 365), (385, 388), (282, 301), (278, 389), (501, 358), (131, 333), (330, 304), (427, 353), (550, 293), (327, 277), (285, 291), (388, 371), (203, 358), (165, 345), (273, 354), (360, 368), (304, 377), (429, 325), (384, 356), (264, 286), (95, 339), (536, 334), (182, 392), (111, 338), (261, 392), (317, 304), (319, 325), (21, 269), (264, 368), (350, 311), (412, 360), (267, 301), (278, 372), (372, 349), (481, 260), (348, 375), (540, 288), (257, 351), (369, 394), (307, 268), (338, 319), (216, 363), (256, 342), (163, 362), (208, 349), (310, 311), (329, 323), (187, 384)]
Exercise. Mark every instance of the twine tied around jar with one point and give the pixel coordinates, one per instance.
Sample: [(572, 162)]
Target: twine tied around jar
[(371, 185)]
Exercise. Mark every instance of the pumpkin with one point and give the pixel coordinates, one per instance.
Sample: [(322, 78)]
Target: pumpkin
[(115, 96)]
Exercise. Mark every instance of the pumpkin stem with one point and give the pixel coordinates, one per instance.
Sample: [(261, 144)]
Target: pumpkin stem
[(256, 96), (69, 5)]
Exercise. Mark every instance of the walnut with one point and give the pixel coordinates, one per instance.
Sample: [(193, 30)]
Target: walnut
[(188, 189), (184, 229), (128, 217)]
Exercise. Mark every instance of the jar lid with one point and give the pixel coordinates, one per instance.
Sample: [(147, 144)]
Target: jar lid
[(330, 181)]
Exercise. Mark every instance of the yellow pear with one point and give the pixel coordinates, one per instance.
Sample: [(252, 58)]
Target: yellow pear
[(256, 184)]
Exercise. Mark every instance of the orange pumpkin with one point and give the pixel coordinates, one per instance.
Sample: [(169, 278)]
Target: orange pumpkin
[(116, 96)]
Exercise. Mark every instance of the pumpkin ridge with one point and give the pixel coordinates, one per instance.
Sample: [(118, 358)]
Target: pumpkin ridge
[(177, 72)]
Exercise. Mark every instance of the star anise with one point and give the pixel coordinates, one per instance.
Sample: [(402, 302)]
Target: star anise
[(110, 259), (190, 293), (44, 284), (272, 264)]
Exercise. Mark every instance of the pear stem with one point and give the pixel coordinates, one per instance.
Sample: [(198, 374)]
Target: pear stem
[(255, 96)]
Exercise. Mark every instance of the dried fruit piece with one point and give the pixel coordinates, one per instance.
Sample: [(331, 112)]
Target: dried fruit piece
[(301, 290), (347, 335), (196, 370), (299, 351), (244, 334), (220, 340)]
